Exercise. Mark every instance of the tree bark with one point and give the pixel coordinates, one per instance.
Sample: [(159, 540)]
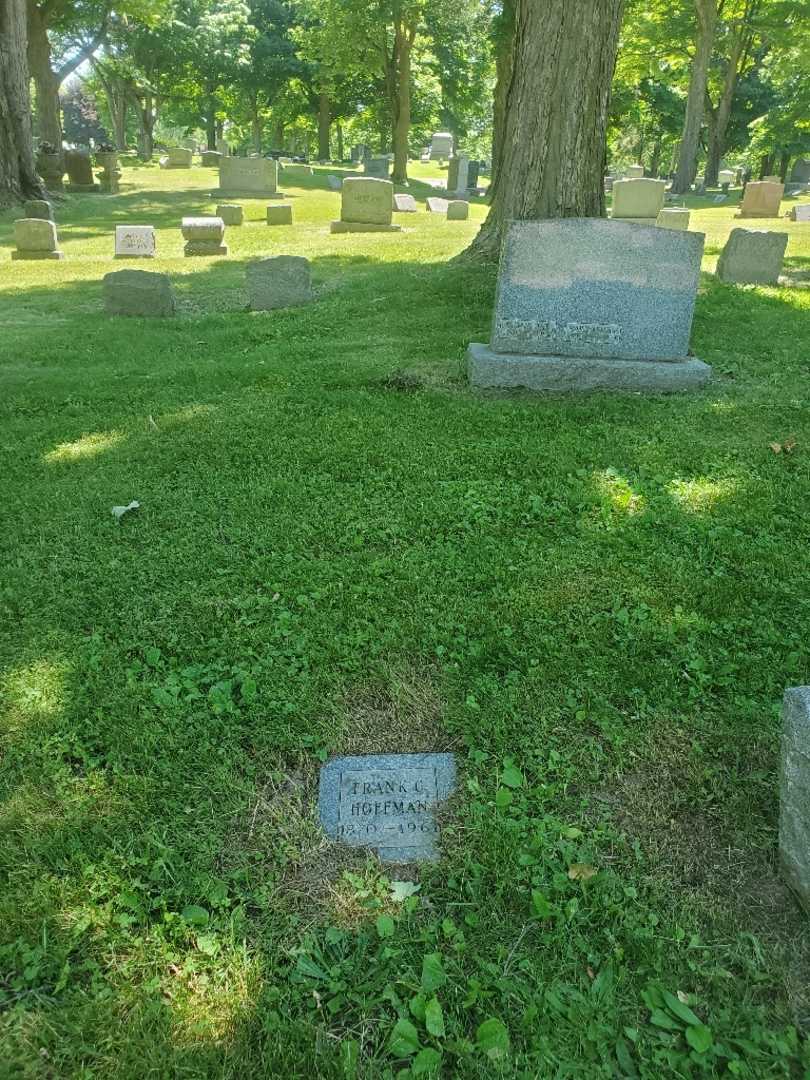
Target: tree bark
[(145, 109), (720, 115), (504, 56), (784, 163), (402, 116), (257, 127), (115, 91), (324, 126), (18, 173), (278, 135), (49, 120), (687, 159), (339, 133), (553, 156)]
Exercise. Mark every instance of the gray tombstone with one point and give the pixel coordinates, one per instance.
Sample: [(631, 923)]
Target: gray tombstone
[(35, 238), (457, 173), (231, 213), (387, 802), (378, 167), (366, 205), (280, 214), (135, 242), (138, 292), (800, 212), (204, 236), (436, 205), (80, 172), (473, 170), (38, 208), (583, 303), (248, 176), (458, 210), (752, 257), (210, 159), (800, 174), (404, 204), (441, 145), (334, 182), (280, 282), (794, 795)]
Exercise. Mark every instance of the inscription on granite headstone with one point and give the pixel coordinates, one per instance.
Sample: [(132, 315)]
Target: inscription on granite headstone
[(387, 802)]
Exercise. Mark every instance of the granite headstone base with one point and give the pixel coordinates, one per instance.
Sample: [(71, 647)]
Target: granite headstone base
[(202, 247), (488, 369), (23, 255), (794, 796), (361, 226)]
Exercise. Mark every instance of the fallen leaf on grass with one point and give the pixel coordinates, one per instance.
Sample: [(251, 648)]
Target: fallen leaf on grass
[(787, 447), (119, 511), (580, 871)]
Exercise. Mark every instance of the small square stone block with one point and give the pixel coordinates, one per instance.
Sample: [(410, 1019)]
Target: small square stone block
[(39, 208), (794, 794), (135, 242), (673, 217), (138, 292), (231, 213), (405, 204), (280, 282), (387, 802), (280, 214), (35, 239), (209, 230), (436, 205), (458, 210)]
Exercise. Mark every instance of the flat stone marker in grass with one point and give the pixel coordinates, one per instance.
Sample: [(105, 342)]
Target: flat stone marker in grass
[(279, 282), (387, 802), (794, 795), (436, 205), (584, 303), (458, 210), (752, 257), (638, 200), (138, 292), (204, 236), (248, 176), (673, 217), (38, 208), (231, 213), (366, 205), (405, 204), (36, 239), (135, 242), (761, 199), (280, 214)]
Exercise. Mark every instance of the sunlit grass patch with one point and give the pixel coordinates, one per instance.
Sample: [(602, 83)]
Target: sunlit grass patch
[(701, 494), (88, 446)]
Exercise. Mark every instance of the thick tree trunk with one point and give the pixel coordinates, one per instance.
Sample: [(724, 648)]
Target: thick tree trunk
[(278, 135), (655, 159), (324, 126), (115, 91), (257, 128), (766, 165), (402, 116), (553, 158), (339, 133), (18, 173), (49, 120), (687, 158), (504, 55), (211, 123), (144, 108), (784, 164)]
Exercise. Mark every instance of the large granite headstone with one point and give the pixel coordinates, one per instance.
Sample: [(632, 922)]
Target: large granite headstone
[(583, 303), (441, 146), (387, 802), (139, 293), (279, 282), (457, 173), (248, 176), (761, 199), (366, 205), (752, 257), (638, 200), (379, 167), (794, 795), (134, 242)]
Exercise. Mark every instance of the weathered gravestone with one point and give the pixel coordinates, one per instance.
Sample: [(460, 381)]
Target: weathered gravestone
[(80, 172), (800, 173), (794, 795), (800, 212), (457, 172), (725, 178), (248, 176), (204, 236), (231, 213), (378, 166), (280, 282), (441, 145), (406, 204), (458, 210), (635, 172), (752, 257), (134, 242), (38, 208), (583, 303), (473, 169), (358, 152), (178, 157), (280, 214), (210, 159), (138, 292), (387, 802), (609, 182), (673, 217), (436, 205), (296, 169), (365, 206), (761, 199), (35, 238), (334, 182), (639, 200)]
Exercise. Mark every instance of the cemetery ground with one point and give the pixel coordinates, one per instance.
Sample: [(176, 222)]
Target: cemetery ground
[(595, 601)]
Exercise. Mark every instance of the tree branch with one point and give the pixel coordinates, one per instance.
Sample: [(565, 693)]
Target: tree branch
[(84, 54)]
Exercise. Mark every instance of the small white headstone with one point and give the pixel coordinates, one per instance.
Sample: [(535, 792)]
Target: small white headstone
[(134, 242)]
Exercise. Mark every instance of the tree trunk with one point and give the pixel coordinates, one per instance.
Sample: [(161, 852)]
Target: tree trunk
[(211, 123), (257, 127), (339, 133), (721, 114), (655, 159), (553, 158), (504, 55), (766, 165), (324, 126), (402, 116), (49, 120), (278, 135), (146, 124), (18, 173), (784, 163), (115, 91), (687, 158)]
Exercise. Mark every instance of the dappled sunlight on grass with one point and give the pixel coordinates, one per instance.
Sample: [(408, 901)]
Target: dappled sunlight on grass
[(618, 494), (701, 494), (33, 691), (87, 446)]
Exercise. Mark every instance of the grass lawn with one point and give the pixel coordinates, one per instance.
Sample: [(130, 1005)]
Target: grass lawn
[(595, 601)]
